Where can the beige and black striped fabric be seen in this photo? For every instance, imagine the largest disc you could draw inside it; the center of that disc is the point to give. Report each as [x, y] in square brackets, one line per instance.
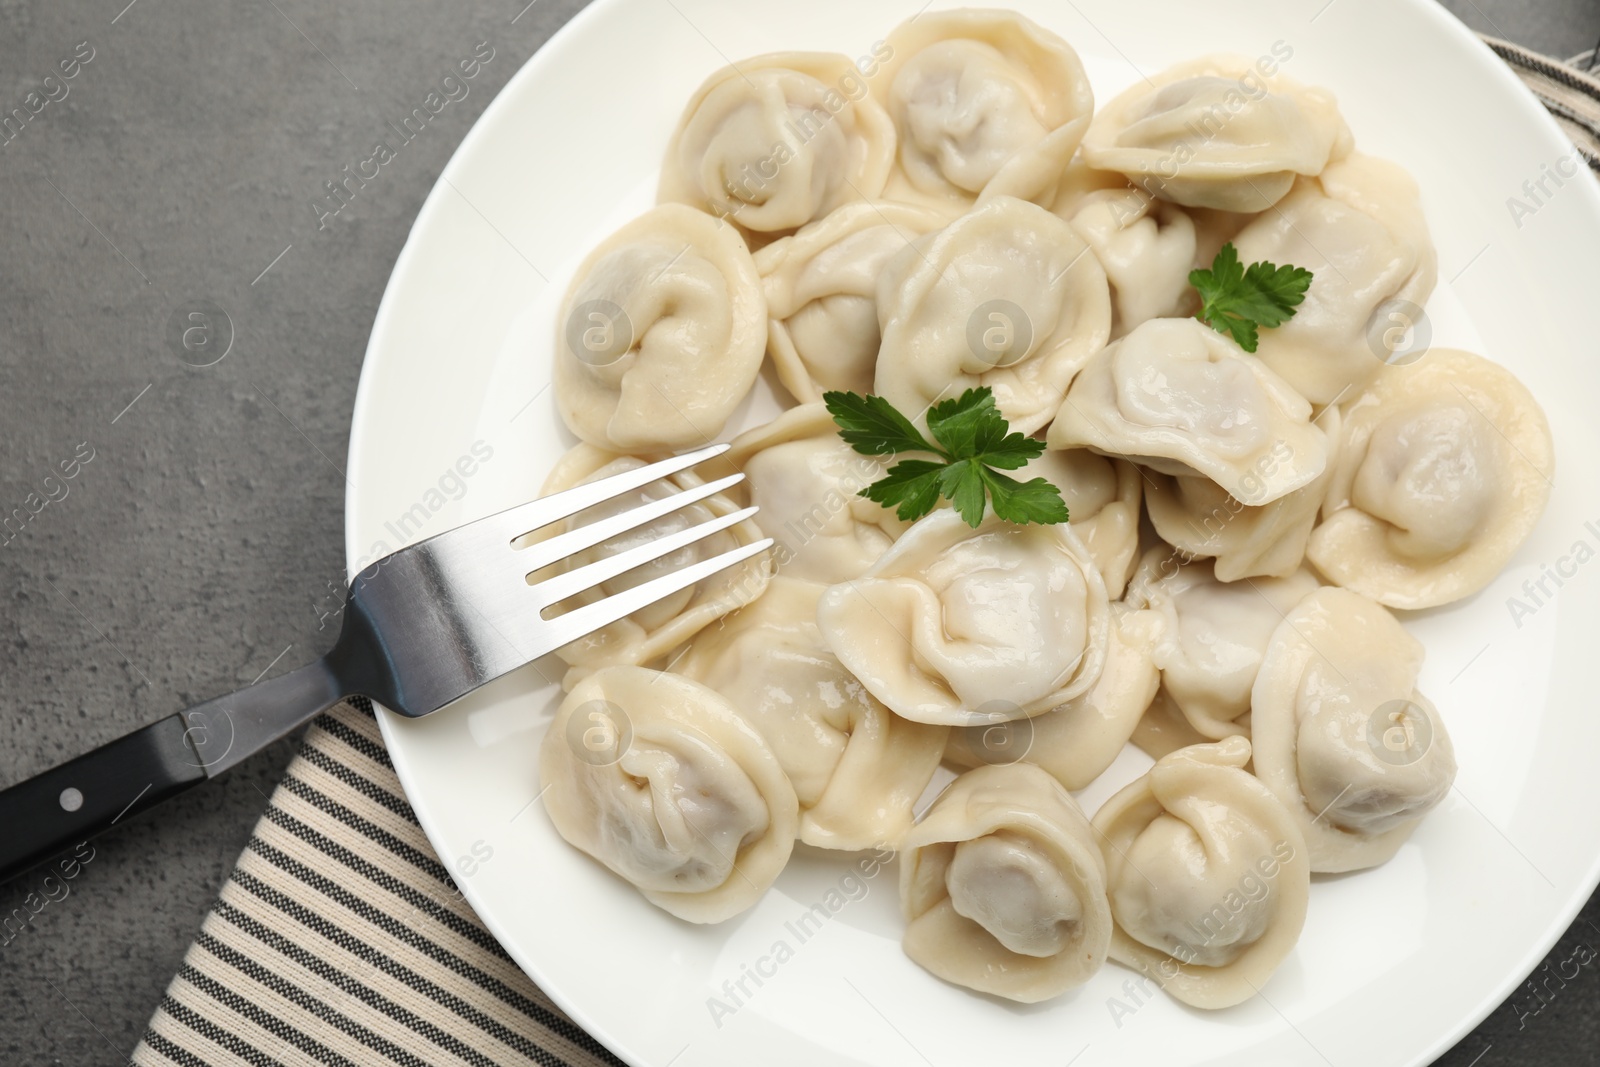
[340, 939]
[1571, 95]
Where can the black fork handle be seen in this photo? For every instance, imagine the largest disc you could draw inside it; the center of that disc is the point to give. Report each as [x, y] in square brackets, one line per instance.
[49, 813]
[78, 800]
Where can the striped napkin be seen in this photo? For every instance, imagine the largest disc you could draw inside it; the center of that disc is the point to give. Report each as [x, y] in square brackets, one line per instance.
[340, 938]
[1571, 95]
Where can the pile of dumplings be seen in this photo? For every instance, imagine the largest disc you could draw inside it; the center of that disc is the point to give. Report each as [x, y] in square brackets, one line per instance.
[950, 212]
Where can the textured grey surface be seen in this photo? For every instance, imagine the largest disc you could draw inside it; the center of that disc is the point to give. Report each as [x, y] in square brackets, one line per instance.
[1560, 28]
[201, 542]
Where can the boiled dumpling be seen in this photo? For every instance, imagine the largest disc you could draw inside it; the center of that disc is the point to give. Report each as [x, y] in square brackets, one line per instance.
[1212, 230]
[1217, 132]
[1342, 736]
[967, 627]
[1082, 185]
[661, 334]
[856, 768]
[660, 627]
[1147, 248]
[1359, 230]
[1003, 887]
[821, 288]
[1443, 469]
[983, 102]
[1163, 729]
[1078, 740]
[1178, 397]
[1207, 873]
[1006, 296]
[1199, 517]
[661, 780]
[807, 483]
[779, 140]
[1102, 496]
[1214, 636]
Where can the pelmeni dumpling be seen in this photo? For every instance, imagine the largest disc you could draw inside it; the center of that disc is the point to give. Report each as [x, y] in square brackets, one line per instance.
[967, 627]
[1214, 636]
[983, 101]
[856, 769]
[1081, 185]
[657, 629]
[1163, 729]
[1342, 736]
[807, 483]
[661, 333]
[1147, 247]
[821, 288]
[1003, 887]
[1444, 467]
[1218, 132]
[1180, 398]
[778, 140]
[1079, 739]
[1212, 230]
[1207, 873]
[1102, 497]
[1079, 180]
[1359, 230]
[661, 780]
[1006, 296]
[1201, 518]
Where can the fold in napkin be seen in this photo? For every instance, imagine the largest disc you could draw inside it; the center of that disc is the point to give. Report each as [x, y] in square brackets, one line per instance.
[340, 938]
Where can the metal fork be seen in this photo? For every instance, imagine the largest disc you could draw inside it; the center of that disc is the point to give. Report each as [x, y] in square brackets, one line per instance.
[422, 627]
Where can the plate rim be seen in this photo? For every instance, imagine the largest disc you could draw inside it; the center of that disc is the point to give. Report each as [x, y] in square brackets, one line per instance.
[361, 413]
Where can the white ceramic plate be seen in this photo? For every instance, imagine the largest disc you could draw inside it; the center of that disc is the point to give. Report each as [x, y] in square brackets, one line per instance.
[1396, 963]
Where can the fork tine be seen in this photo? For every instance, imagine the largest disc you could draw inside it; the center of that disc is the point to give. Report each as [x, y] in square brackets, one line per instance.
[556, 589]
[525, 518]
[585, 620]
[538, 556]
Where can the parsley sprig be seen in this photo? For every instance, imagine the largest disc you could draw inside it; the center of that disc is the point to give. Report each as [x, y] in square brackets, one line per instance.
[1236, 300]
[974, 444]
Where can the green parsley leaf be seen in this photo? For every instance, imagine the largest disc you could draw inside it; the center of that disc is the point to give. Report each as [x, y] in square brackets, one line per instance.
[913, 484]
[972, 426]
[974, 444]
[1236, 301]
[1034, 500]
[872, 426]
[962, 484]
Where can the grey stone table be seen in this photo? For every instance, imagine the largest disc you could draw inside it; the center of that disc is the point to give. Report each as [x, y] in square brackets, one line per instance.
[197, 547]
